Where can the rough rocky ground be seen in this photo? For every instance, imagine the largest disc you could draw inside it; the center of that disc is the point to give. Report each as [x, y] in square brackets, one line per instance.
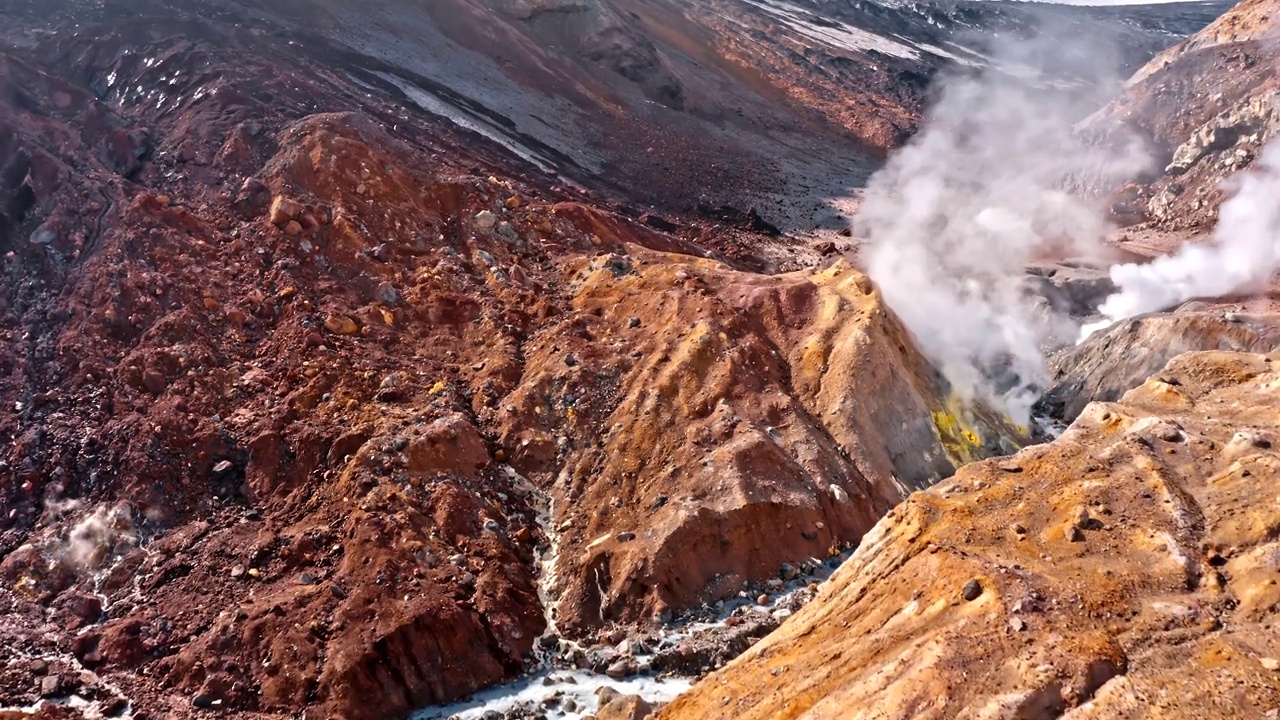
[1129, 568]
[1126, 570]
[330, 388]
[779, 105]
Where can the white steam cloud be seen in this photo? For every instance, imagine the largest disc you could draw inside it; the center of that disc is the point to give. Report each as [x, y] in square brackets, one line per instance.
[1242, 256]
[955, 217]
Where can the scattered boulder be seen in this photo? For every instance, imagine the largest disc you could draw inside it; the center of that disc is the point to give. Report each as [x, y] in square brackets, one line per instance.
[624, 707]
[284, 210]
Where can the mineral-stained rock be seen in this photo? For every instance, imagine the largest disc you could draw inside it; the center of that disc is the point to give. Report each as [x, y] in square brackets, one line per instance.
[780, 416]
[1165, 610]
[197, 422]
[1111, 361]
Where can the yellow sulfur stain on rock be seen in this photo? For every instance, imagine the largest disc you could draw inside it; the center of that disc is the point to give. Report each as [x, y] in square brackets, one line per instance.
[962, 442]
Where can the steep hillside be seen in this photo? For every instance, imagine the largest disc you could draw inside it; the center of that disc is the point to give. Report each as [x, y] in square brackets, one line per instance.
[688, 106]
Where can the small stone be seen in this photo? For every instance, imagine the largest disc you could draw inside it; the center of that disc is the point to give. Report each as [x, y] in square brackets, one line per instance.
[50, 685]
[972, 590]
[154, 382]
[307, 578]
[1171, 434]
[1017, 624]
[284, 210]
[571, 360]
[222, 467]
[1271, 664]
[621, 668]
[624, 707]
[293, 228]
[485, 220]
[634, 322]
[204, 701]
[114, 706]
[86, 607]
[491, 525]
[1074, 534]
[341, 325]
[606, 695]
[237, 571]
[763, 599]
[789, 572]
[1019, 529]
[626, 537]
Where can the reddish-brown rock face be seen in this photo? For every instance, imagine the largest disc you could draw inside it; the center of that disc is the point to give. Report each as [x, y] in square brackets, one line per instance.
[1125, 570]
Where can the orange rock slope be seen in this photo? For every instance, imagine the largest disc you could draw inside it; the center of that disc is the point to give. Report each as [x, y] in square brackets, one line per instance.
[1129, 569]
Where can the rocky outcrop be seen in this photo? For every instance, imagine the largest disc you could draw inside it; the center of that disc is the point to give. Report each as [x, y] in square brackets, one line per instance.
[720, 422]
[1111, 362]
[1125, 570]
[1206, 107]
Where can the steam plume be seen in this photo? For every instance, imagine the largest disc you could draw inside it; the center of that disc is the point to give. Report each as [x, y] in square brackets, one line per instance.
[955, 217]
[1242, 256]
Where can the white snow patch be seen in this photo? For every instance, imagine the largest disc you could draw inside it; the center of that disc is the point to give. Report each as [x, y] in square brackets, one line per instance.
[461, 118]
[844, 37]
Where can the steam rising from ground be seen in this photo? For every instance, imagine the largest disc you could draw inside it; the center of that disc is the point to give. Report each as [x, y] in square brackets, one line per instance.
[955, 217]
[1244, 253]
[100, 534]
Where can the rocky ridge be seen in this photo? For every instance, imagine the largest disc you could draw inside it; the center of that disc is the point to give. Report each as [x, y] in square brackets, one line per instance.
[1206, 107]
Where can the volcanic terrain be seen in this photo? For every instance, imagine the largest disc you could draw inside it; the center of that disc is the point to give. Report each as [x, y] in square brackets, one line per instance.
[357, 360]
